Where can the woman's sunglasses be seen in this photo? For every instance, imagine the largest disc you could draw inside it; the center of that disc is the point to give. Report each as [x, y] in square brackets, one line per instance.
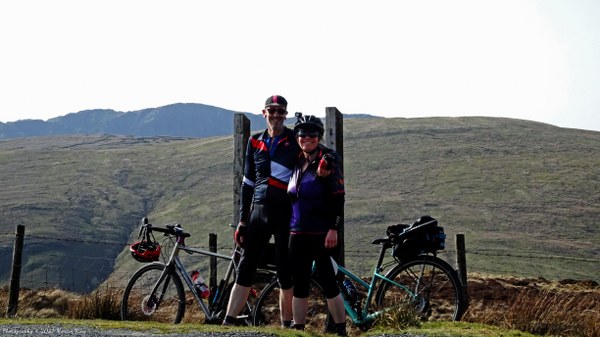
[311, 134]
[280, 111]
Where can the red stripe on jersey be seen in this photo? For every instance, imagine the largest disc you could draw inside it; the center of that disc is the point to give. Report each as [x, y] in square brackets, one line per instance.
[278, 184]
[257, 144]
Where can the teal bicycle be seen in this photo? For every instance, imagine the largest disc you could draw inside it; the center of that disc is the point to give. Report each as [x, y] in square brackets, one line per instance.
[416, 281]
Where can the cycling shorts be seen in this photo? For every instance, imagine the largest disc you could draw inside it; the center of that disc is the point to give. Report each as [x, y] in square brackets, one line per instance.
[304, 249]
[266, 221]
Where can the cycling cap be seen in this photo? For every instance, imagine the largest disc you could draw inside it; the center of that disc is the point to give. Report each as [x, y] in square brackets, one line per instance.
[276, 100]
[145, 251]
[309, 123]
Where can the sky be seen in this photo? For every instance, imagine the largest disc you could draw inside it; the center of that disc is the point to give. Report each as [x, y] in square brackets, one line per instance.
[537, 60]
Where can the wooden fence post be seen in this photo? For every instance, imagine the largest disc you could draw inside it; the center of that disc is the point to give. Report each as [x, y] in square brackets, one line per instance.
[15, 278]
[212, 247]
[334, 139]
[241, 127]
[461, 262]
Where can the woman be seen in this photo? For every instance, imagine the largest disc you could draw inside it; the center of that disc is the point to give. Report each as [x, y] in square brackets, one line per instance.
[317, 208]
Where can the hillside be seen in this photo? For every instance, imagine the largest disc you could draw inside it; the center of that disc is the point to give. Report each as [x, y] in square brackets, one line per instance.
[526, 195]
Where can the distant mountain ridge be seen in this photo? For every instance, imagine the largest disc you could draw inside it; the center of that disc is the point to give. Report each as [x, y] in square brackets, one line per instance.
[177, 120]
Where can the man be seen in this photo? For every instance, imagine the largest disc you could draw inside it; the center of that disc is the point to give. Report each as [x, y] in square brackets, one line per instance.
[265, 208]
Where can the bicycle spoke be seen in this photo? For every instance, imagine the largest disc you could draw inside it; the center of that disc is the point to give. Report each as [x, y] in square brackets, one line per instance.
[267, 311]
[432, 290]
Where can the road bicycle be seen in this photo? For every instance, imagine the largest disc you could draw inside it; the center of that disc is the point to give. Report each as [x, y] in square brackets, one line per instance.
[155, 292]
[417, 282]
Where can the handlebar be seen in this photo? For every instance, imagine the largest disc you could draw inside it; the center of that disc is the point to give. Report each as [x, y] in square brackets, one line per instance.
[147, 228]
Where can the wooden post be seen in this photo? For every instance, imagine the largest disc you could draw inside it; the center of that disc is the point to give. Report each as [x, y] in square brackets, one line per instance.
[334, 139]
[241, 127]
[15, 278]
[461, 262]
[212, 246]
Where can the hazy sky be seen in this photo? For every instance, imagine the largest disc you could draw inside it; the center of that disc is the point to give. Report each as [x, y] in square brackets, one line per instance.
[535, 60]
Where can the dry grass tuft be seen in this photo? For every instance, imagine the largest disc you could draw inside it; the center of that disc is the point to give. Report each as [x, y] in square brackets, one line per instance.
[42, 303]
[102, 303]
[566, 308]
[399, 319]
[55, 303]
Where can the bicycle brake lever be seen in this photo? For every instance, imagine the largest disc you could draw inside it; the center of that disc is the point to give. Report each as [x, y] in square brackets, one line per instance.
[144, 222]
[179, 234]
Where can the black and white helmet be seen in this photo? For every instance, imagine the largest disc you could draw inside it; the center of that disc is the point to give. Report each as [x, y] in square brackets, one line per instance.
[309, 123]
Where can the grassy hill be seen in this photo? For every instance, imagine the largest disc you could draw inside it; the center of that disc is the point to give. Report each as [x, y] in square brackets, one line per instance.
[526, 195]
[517, 189]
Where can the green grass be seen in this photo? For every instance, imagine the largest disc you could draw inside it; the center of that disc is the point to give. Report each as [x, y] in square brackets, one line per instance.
[465, 330]
[429, 329]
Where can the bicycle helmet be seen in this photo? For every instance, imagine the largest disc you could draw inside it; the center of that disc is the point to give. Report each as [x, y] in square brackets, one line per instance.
[309, 123]
[145, 251]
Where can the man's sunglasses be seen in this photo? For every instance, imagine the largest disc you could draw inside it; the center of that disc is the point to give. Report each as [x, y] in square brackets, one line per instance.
[311, 134]
[280, 111]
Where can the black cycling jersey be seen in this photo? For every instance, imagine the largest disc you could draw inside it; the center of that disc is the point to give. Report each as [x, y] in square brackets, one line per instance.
[266, 175]
[317, 202]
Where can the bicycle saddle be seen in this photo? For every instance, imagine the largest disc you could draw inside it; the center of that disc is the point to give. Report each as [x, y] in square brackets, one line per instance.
[381, 241]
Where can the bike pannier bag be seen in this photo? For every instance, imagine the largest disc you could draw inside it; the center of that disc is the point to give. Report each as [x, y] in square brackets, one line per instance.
[422, 236]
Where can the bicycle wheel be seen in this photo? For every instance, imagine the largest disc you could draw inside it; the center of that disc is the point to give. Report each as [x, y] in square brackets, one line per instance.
[219, 305]
[166, 305]
[266, 311]
[432, 289]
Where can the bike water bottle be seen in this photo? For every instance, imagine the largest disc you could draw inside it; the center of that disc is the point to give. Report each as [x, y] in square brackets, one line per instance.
[350, 290]
[201, 287]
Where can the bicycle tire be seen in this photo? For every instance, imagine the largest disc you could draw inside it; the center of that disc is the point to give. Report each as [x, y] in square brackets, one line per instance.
[436, 289]
[137, 305]
[221, 309]
[266, 311]
[261, 279]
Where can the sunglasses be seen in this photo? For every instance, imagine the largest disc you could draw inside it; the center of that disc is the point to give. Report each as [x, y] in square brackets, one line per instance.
[310, 134]
[280, 111]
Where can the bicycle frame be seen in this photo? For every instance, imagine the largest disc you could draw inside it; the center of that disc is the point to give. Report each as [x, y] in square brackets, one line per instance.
[362, 315]
[188, 280]
[175, 263]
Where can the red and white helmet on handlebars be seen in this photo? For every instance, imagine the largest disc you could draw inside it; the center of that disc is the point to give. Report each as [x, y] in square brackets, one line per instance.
[145, 251]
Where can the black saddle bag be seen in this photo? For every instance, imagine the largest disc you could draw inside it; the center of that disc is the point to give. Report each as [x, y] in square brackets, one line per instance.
[422, 236]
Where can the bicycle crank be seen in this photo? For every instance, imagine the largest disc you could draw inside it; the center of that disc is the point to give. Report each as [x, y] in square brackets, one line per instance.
[421, 305]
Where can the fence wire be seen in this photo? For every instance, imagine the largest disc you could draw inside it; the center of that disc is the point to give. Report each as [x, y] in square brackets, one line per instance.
[87, 272]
